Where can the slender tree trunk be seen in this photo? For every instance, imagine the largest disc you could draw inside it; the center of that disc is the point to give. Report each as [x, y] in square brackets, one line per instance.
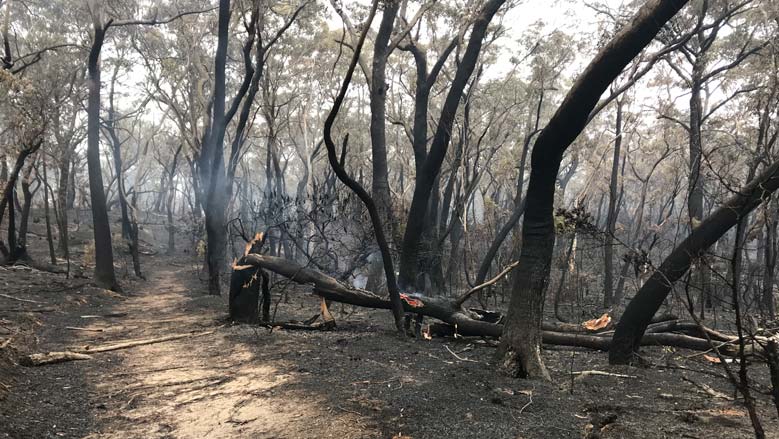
[171, 199]
[696, 180]
[770, 257]
[19, 251]
[380, 188]
[62, 199]
[611, 215]
[46, 211]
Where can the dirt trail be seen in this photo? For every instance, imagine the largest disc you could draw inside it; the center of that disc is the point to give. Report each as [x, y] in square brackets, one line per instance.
[206, 386]
[359, 381]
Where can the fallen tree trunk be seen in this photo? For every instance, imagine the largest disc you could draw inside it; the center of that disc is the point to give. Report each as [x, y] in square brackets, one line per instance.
[473, 322]
[650, 297]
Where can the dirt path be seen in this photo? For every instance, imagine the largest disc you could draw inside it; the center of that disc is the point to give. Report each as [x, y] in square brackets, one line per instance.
[206, 386]
[359, 381]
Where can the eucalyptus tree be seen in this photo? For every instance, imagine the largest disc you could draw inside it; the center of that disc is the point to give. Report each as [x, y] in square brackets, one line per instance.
[216, 174]
[519, 353]
[721, 29]
[103, 16]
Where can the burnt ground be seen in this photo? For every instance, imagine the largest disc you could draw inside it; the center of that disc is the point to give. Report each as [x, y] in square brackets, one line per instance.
[358, 381]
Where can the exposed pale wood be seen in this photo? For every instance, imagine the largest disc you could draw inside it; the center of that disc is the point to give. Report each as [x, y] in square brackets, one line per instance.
[52, 358]
[20, 299]
[706, 388]
[586, 373]
[460, 300]
[76, 328]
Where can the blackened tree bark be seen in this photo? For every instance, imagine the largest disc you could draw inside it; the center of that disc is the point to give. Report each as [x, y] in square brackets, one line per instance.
[769, 258]
[519, 352]
[380, 188]
[47, 213]
[129, 225]
[212, 159]
[216, 181]
[19, 248]
[104, 253]
[650, 297]
[396, 305]
[429, 172]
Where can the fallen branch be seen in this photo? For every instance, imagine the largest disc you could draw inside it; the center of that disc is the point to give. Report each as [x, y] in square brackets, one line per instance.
[134, 343]
[706, 388]
[460, 300]
[20, 299]
[454, 354]
[586, 373]
[28, 310]
[297, 326]
[52, 358]
[76, 328]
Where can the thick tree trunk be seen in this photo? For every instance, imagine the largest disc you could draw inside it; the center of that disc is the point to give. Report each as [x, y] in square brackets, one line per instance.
[519, 353]
[648, 300]
[216, 202]
[104, 253]
[380, 188]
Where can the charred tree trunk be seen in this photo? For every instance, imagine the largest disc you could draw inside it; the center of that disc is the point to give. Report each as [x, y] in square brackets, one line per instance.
[380, 188]
[519, 353]
[769, 259]
[62, 201]
[8, 196]
[343, 176]
[648, 300]
[104, 253]
[213, 155]
[415, 224]
[19, 250]
[611, 214]
[46, 212]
